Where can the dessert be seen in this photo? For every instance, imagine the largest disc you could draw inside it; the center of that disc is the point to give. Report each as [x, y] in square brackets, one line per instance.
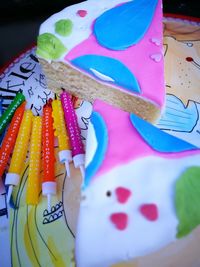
[110, 50]
[141, 190]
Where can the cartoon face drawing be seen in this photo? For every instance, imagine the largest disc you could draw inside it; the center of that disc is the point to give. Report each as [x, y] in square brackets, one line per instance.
[182, 75]
[182, 61]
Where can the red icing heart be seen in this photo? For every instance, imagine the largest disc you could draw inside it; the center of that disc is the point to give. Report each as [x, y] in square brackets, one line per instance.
[122, 194]
[149, 211]
[120, 220]
[82, 13]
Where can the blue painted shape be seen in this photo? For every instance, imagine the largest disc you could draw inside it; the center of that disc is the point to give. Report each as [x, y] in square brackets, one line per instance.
[124, 25]
[178, 117]
[102, 143]
[108, 67]
[159, 140]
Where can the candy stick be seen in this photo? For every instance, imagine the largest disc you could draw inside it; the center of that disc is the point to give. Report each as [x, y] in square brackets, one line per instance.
[19, 153]
[33, 185]
[10, 137]
[62, 135]
[48, 160]
[74, 132]
[8, 113]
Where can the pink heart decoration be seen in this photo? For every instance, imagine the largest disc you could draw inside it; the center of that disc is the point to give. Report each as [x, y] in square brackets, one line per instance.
[156, 41]
[149, 211]
[156, 57]
[123, 194]
[82, 13]
[120, 220]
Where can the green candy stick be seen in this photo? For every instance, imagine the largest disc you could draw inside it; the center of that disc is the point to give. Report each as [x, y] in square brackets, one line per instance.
[8, 113]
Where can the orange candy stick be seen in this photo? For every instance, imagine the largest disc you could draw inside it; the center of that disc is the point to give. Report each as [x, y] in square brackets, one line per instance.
[48, 160]
[10, 137]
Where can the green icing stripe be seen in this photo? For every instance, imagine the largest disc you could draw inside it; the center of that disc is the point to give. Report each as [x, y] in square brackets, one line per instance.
[188, 201]
[63, 27]
[49, 46]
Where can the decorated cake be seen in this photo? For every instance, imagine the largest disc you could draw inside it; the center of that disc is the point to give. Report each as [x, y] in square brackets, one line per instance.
[141, 191]
[109, 50]
[40, 237]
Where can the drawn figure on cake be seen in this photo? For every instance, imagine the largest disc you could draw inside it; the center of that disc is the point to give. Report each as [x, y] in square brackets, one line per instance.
[182, 72]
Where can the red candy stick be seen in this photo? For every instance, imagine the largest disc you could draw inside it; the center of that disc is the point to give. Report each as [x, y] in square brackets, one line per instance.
[10, 137]
[48, 161]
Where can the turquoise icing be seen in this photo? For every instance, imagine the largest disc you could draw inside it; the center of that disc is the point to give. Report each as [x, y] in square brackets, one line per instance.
[157, 139]
[124, 25]
[102, 142]
[115, 71]
[177, 116]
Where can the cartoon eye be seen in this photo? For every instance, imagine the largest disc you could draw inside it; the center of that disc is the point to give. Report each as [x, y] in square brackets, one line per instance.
[189, 44]
[108, 193]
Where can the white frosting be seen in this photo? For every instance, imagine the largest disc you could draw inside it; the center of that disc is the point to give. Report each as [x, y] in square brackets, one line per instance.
[81, 26]
[101, 76]
[91, 144]
[98, 242]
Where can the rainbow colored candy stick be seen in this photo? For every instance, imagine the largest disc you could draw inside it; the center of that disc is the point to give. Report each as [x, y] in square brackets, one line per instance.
[65, 155]
[8, 113]
[78, 153]
[48, 159]
[33, 185]
[19, 153]
[10, 137]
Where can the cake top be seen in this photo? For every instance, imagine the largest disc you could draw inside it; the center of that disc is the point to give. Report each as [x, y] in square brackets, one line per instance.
[140, 190]
[71, 26]
[106, 148]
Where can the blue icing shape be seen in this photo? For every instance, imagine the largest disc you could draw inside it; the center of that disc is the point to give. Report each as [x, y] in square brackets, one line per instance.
[102, 142]
[124, 25]
[177, 116]
[108, 69]
[159, 140]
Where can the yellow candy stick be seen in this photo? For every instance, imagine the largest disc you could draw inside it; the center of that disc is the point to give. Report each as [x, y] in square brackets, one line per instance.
[33, 185]
[19, 152]
[62, 135]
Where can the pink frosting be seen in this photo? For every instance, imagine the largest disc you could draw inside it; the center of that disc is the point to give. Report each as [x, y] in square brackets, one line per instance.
[124, 142]
[148, 71]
